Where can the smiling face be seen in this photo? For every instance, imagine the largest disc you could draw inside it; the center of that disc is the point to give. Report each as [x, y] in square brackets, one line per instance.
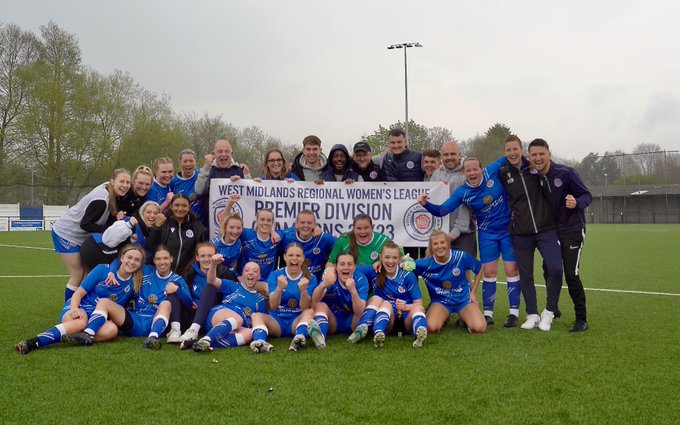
[142, 184]
[305, 224]
[389, 257]
[250, 275]
[233, 230]
[264, 222]
[539, 156]
[180, 208]
[513, 153]
[450, 155]
[344, 267]
[162, 260]
[362, 159]
[294, 257]
[396, 144]
[121, 183]
[223, 153]
[164, 173]
[204, 257]
[339, 161]
[473, 171]
[312, 153]
[131, 261]
[440, 247]
[188, 164]
[150, 213]
[430, 165]
[275, 164]
[363, 231]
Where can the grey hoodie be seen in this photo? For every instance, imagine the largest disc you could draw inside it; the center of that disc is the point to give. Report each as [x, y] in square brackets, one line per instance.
[460, 220]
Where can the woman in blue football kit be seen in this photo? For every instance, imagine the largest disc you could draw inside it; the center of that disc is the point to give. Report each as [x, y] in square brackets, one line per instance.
[445, 273]
[338, 301]
[74, 316]
[92, 214]
[163, 169]
[151, 310]
[228, 242]
[483, 192]
[397, 291]
[229, 322]
[290, 299]
[184, 181]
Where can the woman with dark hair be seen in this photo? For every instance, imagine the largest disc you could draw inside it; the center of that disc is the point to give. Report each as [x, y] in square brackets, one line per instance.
[397, 298]
[290, 291]
[92, 214]
[82, 306]
[275, 167]
[180, 230]
[102, 248]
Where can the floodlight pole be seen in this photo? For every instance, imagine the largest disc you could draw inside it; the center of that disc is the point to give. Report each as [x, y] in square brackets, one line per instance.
[405, 46]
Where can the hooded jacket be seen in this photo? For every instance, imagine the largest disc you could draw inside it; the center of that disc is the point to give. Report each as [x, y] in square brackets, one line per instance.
[329, 173]
[304, 173]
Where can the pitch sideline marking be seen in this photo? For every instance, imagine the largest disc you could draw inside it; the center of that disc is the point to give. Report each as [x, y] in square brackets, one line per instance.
[618, 291]
[25, 247]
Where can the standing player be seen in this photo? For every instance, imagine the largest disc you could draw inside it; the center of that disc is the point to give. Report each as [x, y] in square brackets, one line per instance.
[160, 191]
[74, 316]
[338, 301]
[532, 227]
[568, 197]
[396, 291]
[317, 248]
[290, 291]
[484, 194]
[184, 181]
[91, 214]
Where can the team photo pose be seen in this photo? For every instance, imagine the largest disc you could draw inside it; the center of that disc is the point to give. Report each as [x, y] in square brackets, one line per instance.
[229, 323]
[184, 181]
[180, 230]
[151, 310]
[451, 278]
[92, 214]
[484, 194]
[102, 248]
[276, 167]
[290, 299]
[228, 242]
[163, 169]
[362, 242]
[142, 178]
[316, 244]
[261, 243]
[397, 300]
[82, 305]
[338, 301]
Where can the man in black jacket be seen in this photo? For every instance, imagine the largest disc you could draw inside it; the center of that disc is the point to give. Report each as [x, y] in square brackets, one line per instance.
[362, 163]
[532, 227]
[401, 164]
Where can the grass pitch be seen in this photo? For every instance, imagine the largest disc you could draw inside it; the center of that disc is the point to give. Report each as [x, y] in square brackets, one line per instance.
[623, 370]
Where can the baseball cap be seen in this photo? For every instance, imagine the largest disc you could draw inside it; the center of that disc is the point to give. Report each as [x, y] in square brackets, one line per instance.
[362, 146]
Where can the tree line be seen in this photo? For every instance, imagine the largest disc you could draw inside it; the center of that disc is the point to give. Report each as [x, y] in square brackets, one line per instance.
[65, 126]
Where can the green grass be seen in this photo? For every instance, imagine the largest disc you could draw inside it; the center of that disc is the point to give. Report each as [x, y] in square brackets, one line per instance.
[623, 370]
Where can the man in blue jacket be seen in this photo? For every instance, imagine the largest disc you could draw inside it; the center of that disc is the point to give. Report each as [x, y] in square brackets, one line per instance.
[401, 164]
[568, 197]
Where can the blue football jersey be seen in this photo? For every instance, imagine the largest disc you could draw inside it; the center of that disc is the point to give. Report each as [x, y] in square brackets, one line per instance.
[152, 291]
[290, 297]
[186, 186]
[316, 250]
[157, 193]
[230, 252]
[242, 301]
[403, 286]
[338, 297]
[447, 282]
[262, 252]
[96, 289]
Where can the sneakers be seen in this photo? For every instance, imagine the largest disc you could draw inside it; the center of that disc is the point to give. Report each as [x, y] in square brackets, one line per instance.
[379, 339]
[23, 347]
[532, 321]
[261, 346]
[511, 321]
[358, 334]
[187, 343]
[315, 333]
[489, 320]
[421, 334]
[174, 336]
[579, 326]
[202, 346]
[188, 334]
[152, 343]
[80, 338]
[546, 320]
[297, 343]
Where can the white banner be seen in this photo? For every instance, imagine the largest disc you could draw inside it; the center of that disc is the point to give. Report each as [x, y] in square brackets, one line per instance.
[393, 207]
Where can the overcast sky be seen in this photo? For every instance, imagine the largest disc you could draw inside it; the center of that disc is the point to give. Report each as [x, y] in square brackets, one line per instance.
[587, 76]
